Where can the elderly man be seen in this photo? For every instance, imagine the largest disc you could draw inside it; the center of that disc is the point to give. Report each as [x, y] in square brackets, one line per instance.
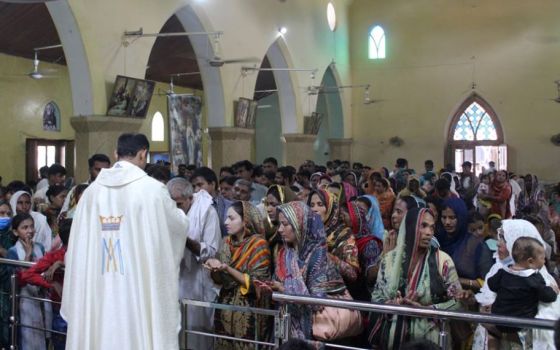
[203, 242]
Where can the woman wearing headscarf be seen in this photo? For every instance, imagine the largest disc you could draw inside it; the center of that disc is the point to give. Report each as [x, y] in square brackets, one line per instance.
[510, 231]
[275, 196]
[303, 268]
[386, 198]
[414, 273]
[341, 243]
[243, 258]
[413, 188]
[499, 195]
[471, 255]
[370, 250]
[531, 191]
[21, 204]
[374, 219]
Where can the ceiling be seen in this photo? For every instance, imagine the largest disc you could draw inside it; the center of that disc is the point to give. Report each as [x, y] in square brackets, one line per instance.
[24, 27]
[172, 55]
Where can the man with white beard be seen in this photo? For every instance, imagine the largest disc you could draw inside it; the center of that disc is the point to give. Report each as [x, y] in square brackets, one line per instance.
[203, 242]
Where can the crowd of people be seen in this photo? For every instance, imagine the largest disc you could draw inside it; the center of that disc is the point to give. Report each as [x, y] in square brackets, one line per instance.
[440, 239]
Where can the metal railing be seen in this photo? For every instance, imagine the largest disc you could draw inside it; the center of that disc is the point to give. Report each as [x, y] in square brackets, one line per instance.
[15, 297]
[443, 315]
[282, 317]
[280, 330]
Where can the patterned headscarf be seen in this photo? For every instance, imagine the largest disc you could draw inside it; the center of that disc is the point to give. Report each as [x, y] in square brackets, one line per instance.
[252, 220]
[374, 219]
[330, 202]
[307, 226]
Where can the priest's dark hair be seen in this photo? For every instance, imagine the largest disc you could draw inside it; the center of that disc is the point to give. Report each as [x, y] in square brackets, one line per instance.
[130, 144]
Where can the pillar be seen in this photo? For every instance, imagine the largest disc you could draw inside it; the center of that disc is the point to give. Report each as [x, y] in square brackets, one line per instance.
[299, 148]
[341, 149]
[98, 134]
[229, 145]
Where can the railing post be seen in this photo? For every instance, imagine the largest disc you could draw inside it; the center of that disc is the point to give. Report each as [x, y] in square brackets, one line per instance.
[443, 335]
[13, 317]
[183, 337]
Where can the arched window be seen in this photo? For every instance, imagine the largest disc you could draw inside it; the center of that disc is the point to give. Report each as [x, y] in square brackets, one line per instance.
[475, 135]
[376, 43]
[158, 127]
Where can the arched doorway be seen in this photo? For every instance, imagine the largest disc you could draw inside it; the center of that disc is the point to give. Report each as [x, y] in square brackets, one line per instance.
[475, 134]
[268, 126]
[329, 105]
[277, 112]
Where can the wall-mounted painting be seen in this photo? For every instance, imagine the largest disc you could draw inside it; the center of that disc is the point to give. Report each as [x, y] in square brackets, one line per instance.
[185, 130]
[245, 113]
[131, 97]
[51, 117]
[311, 124]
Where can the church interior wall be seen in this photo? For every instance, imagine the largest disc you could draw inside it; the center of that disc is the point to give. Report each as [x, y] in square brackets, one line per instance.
[435, 51]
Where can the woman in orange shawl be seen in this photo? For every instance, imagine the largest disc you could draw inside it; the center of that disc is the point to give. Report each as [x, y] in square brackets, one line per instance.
[380, 187]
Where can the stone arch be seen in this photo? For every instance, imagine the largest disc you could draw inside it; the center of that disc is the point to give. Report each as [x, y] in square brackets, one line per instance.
[74, 51]
[279, 57]
[329, 104]
[211, 77]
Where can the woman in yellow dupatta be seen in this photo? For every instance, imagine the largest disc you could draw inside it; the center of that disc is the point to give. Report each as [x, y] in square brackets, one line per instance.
[243, 258]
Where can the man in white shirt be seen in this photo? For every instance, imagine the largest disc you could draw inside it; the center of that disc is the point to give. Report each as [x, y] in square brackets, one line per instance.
[122, 264]
[203, 242]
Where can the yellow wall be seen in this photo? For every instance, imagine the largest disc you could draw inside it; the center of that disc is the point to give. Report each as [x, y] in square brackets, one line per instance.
[250, 27]
[432, 48]
[22, 101]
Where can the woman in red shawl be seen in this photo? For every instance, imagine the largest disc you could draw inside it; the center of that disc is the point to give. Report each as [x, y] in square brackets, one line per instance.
[500, 194]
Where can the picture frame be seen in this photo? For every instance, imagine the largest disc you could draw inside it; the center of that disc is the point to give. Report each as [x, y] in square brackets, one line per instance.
[241, 108]
[185, 130]
[312, 123]
[51, 117]
[131, 97]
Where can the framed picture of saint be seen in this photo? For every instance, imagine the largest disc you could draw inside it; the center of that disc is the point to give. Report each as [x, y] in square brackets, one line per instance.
[51, 117]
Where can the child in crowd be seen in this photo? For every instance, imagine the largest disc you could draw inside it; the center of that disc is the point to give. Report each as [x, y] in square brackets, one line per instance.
[520, 287]
[493, 223]
[30, 311]
[48, 273]
[483, 188]
[476, 224]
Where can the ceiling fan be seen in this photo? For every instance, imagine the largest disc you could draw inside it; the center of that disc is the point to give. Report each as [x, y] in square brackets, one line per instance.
[36, 74]
[217, 61]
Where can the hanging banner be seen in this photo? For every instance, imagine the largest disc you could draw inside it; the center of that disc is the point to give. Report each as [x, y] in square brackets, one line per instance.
[185, 130]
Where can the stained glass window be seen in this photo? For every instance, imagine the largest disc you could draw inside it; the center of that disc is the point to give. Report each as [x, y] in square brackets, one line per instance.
[475, 125]
[376, 43]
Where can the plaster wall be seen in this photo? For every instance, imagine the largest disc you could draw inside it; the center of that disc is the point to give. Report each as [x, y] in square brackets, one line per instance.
[435, 50]
[22, 102]
[250, 27]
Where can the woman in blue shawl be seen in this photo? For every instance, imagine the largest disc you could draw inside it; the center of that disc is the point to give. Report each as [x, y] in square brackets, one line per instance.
[375, 222]
[471, 256]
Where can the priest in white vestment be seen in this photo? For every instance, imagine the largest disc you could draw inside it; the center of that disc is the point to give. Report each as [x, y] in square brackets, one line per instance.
[203, 242]
[122, 263]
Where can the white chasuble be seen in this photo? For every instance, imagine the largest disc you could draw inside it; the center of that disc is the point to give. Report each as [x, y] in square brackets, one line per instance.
[122, 264]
